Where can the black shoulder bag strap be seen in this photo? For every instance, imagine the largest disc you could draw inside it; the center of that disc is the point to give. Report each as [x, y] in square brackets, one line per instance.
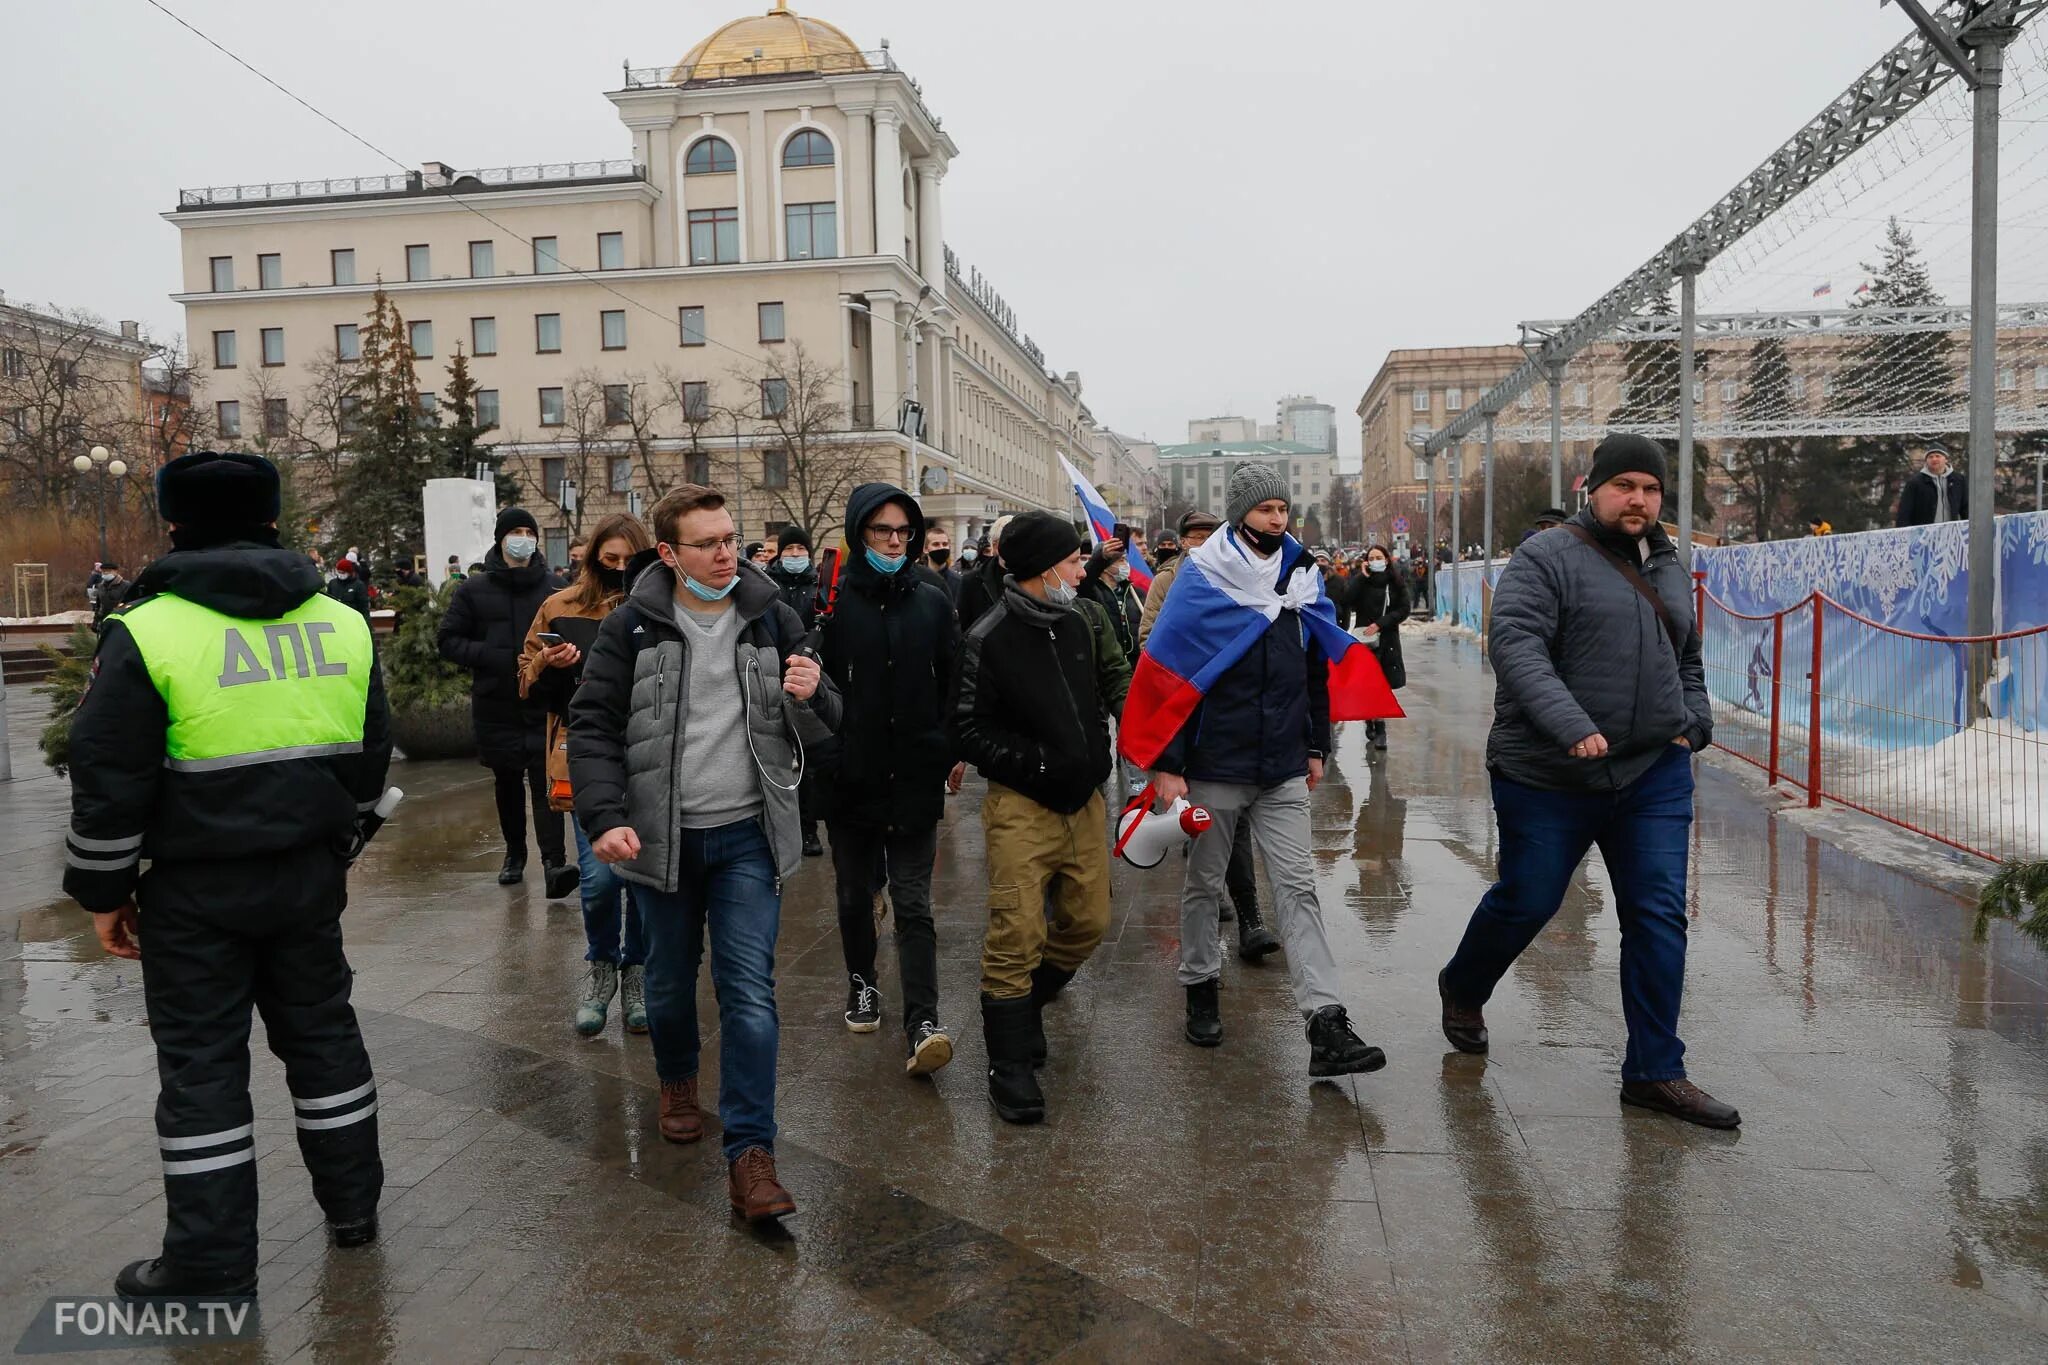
[1639, 583]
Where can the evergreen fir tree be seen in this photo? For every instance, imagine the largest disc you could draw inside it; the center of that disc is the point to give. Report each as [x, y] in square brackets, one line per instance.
[391, 451]
[1892, 373]
[460, 440]
[1649, 395]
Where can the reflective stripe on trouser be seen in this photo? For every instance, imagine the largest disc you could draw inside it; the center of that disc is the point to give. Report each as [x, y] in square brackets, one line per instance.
[1280, 825]
[226, 938]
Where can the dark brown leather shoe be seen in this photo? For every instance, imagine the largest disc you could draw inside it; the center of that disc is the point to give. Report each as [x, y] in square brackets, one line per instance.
[1682, 1100]
[1466, 1029]
[755, 1192]
[680, 1120]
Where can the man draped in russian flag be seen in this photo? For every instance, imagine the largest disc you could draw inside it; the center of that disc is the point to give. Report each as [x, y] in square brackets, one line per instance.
[1231, 706]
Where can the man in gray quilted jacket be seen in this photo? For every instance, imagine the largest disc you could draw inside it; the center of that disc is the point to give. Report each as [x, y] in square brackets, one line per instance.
[1600, 704]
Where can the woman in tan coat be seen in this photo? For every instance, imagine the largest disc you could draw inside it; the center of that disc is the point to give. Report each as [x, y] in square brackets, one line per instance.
[550, 666]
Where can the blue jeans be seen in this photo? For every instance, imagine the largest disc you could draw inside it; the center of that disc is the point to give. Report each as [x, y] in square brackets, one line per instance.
[727, 881]
[603, 889]
[1641, 831]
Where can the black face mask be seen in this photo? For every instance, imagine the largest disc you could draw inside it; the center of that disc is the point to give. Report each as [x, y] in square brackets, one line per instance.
[612, 580]
[1265, 542]
[939, 558]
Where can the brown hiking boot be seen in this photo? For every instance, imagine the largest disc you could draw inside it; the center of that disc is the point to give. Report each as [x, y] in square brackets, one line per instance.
[1464, 1028]
[680, 1121]
[1682, 1100]
[755, 1192]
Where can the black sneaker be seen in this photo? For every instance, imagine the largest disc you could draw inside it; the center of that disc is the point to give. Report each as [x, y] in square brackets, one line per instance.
[1334, 1050]
[930, 1049]
[863, 1006]
[1204, 1026]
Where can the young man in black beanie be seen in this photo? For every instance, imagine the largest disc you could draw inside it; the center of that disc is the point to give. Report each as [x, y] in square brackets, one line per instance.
[1601, 703]
[1026, 715]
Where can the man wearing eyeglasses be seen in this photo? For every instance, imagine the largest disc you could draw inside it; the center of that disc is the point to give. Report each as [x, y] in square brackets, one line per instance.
[686, 750]
[889, 650]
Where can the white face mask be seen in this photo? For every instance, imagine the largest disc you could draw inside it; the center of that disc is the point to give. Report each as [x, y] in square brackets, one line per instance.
[1057, 592]
[1376, 565]
[519, 549]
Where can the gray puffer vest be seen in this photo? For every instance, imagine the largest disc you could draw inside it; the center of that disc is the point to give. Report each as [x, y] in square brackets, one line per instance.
[627, 759]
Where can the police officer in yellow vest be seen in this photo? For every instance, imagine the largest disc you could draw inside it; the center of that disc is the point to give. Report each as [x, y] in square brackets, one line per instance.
[233, 734]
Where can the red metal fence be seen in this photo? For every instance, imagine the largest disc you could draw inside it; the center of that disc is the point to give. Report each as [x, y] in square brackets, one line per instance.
[1946, 736]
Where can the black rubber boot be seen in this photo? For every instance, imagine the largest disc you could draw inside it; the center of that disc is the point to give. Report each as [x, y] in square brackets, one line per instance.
[514, 870]
[1046, 984]
[1254, 940]
[1006, 1030]
[559, 878]
[354, 1232]
[159, 1279]
[1204, 1027]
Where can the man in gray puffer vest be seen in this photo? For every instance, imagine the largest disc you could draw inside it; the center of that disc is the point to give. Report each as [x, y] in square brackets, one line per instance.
[1600, 703]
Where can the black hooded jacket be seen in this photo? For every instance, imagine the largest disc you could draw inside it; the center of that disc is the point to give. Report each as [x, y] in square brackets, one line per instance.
[120, 786]
[889, 648]
[980, 590]
[1025, 709]
[799, 591]
[484, 629]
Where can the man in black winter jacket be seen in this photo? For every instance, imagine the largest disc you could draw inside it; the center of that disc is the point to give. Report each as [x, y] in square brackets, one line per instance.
[1934, 493]
[1026, 715]
[794, 575]
[484, 630]
[983, 588]
[889, 648]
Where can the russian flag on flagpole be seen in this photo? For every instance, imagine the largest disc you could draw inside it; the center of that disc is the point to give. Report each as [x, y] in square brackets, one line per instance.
[1222, 602]
[1102, 525]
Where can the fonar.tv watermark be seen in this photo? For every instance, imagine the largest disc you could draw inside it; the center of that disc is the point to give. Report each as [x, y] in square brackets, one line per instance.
[105, 1323]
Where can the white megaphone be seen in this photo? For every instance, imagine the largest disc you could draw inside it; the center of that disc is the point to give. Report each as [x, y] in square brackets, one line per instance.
[1144, 836]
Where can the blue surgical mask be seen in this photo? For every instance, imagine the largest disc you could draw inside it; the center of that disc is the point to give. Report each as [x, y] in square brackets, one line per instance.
[519, 549]
[795, 563]
[885, 563]
[1058, 593]
[704, 594]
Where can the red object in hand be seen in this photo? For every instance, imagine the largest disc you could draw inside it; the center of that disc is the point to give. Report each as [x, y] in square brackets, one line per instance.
[1196, 820]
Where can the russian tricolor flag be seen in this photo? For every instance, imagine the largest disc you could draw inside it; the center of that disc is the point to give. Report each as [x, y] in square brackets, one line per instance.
[1102, 525]
[1221, 604]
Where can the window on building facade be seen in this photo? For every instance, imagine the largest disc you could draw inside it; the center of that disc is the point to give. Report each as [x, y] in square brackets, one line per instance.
[277, 417]
[347, 344]
[696, 400]
[621, 472]
[775, 468]
[13, 364]
[547, 333]
[273, 345]
[421, 335]
[710, 156]
[554, 472]
[227, 417]
[1454, 400]
[770, 315]
[547, 258]
[1799, 386]
[483, 260]
[427, 412]
[611, 251]
[697, 468]
[691, 320]
[1418, 401]
[1421, 469]
[351, 414]
[343, 265]
[483, 336]
[618, 404]
[714, 236]
[487, 408]
[419, 263]
[551, 407]
[1579, 395]
[269, 271]
[774, 397]
[1729, 389]
[223, 274]
[2008, 379]
[611, 327]
[223, 350]
[812, 231]
[1699, 391]
[2041, 378]
[1827, 386]
[808, 148]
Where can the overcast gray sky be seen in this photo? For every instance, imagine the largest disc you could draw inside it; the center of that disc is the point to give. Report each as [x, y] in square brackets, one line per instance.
[1199, 205]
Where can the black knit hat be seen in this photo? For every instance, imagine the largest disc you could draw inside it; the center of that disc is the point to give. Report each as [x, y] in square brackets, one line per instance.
[511, 519]
[218, 488]
[793, 535]
[1627, 453]
[1035, 541]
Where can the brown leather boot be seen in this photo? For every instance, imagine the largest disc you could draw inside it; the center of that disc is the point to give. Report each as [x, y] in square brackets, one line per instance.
[680, 1121]
[755, 1192]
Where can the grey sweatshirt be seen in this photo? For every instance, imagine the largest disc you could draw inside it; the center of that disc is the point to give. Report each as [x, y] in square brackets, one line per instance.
[721, 786]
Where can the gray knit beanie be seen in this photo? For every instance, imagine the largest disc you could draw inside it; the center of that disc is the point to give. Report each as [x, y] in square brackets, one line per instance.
[1250, 485]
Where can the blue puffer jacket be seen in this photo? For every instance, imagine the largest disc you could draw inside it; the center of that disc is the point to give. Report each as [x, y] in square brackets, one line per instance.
[1266, 717]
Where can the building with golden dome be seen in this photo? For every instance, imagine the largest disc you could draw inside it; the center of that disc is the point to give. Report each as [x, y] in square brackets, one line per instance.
[760, 296]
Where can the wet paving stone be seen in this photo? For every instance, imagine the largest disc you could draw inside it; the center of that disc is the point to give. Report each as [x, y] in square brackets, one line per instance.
[1886, 1199]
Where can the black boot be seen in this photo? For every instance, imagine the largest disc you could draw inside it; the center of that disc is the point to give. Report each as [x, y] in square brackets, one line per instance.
[1254, 939]
[1376, 731]
[159, 1279]
[1204, 1027]
[514, 870]
[354, 1232]
[812, 848]
[1334, 1050]
[1046, 983]
[559, 878]
[1006, 1030]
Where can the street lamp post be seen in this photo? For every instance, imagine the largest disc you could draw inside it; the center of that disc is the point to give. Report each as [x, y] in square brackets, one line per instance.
[103, 460]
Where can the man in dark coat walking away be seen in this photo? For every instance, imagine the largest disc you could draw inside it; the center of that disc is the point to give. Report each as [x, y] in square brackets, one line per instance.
[1600, 704]
[1936, 492]
[889, 648]
[484, 629]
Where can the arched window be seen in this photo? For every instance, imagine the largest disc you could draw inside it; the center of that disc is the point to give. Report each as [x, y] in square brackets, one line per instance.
[710, 156]
[808, 148]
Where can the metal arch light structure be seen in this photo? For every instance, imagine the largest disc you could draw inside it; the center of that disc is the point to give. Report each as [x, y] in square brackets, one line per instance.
[1899, 82]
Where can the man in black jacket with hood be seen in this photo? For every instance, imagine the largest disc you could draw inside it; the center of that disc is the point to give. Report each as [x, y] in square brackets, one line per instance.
[232, 736]
[484, 630]
[889, 648]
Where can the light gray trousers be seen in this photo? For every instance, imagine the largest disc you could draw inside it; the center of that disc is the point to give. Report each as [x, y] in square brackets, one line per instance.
[1279, 817]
